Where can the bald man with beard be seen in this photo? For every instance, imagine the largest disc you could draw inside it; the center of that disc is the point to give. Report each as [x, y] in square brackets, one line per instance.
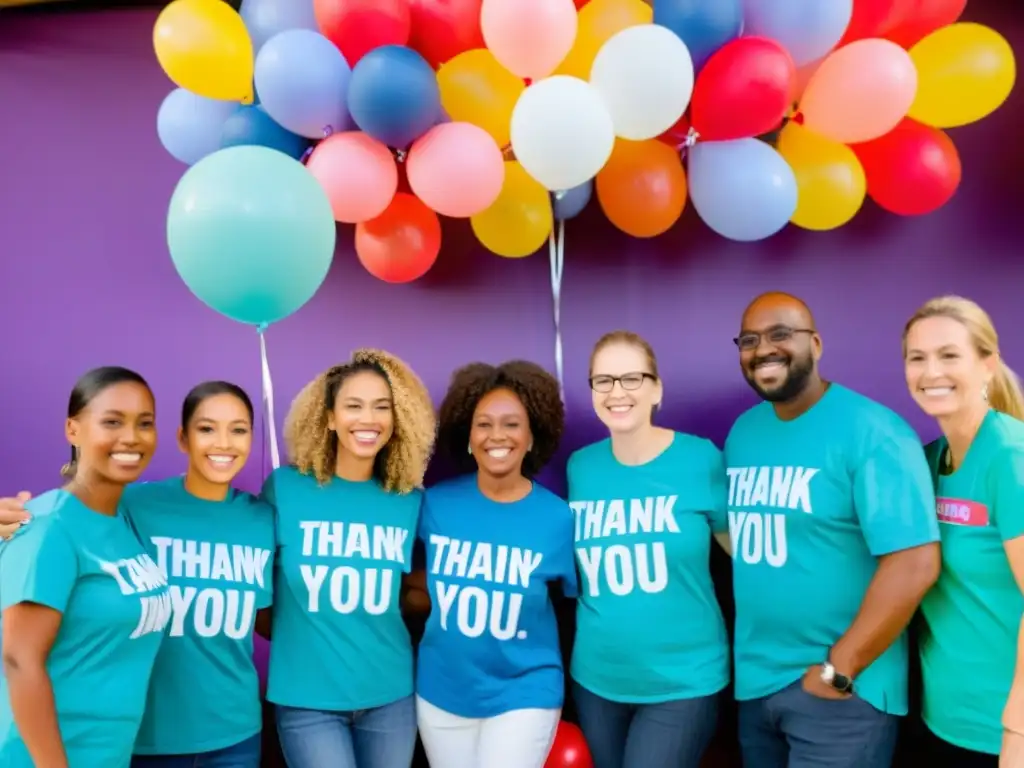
[834, 538]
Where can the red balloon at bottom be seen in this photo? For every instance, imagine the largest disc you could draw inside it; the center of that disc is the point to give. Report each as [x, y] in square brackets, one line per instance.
[912, 170]
[402, 243]
[570, 749]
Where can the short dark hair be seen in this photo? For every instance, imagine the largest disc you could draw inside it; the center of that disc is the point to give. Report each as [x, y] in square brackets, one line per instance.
[89, 385]
[536, 389]
[208, 389]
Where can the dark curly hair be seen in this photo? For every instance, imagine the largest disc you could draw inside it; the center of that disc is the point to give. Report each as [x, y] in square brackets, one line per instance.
[536, 389]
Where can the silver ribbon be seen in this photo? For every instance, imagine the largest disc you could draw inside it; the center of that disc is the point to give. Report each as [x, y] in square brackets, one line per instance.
[556, 253]
[270, 430]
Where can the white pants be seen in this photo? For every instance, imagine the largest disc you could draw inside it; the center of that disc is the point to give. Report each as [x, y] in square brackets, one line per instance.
[521, 738]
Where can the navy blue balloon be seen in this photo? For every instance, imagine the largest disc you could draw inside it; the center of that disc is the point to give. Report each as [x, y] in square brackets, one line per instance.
[571, 202]
[704, 25]
[393, 95]
[252, 126]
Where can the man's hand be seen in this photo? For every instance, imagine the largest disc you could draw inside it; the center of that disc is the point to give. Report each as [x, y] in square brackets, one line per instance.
[13, 514]
[814, 685]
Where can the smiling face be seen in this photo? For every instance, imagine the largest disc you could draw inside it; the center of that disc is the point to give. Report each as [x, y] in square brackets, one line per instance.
[218, 439]
[945, 373]
[363, 416]
[500, 435]
[778, 349]
[115, 434]
[624, 389]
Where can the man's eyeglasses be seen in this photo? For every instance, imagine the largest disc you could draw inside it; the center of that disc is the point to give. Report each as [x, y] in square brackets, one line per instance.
[629, 381]
[777, 335]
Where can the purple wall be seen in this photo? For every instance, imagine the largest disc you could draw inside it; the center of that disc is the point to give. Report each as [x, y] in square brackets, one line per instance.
[86, 278]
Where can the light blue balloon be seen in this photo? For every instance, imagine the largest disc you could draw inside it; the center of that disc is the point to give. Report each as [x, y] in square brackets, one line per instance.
[265, 18]
[189, 126]
[251, 233]
[743, 189]
[302, 80]
[807, 28]
[253, 126]
[571, 202]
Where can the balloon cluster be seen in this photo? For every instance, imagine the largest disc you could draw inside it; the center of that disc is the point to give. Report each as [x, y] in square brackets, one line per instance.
[511, 113]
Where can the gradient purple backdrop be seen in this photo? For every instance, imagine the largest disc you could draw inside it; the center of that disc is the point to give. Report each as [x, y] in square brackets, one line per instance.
[86, 278]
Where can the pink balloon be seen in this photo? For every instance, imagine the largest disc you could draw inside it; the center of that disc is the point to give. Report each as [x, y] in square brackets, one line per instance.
[456, 169]
[357, 172]
[529, 37]
[860, 92]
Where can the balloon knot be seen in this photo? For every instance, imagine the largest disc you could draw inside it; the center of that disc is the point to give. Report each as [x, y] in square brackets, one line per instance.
[400, 155]
[328, 131]
[692, 137]
[261, 328]
[507, 153]
[305, 155]
[560, 194]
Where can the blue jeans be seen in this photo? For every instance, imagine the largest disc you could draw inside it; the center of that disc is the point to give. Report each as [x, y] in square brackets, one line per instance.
[795, 729]
[382, 737]
[245, 754]
[671, 733]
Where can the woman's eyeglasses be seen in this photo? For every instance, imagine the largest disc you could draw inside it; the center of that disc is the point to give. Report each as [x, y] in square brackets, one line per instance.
[629, 381]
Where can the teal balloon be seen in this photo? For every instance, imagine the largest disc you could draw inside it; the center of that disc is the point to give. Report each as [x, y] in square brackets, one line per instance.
[251, 233]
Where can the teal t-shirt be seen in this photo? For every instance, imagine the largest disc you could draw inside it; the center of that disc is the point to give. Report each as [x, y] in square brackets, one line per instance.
[813, 503]
[218, 560]
[338, 639]
[648, 624]
[115, 606]
[973, 613]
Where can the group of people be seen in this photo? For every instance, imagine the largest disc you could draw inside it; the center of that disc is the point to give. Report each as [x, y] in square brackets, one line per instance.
[129, 608]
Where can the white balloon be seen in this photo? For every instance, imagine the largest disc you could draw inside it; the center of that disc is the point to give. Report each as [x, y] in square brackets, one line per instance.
[561, 131]
[645, 75]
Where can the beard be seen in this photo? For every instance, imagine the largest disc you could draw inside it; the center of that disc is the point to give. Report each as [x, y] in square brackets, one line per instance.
[798, 374]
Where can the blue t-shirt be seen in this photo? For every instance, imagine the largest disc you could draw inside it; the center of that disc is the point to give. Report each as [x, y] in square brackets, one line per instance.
[339, 642]
[813, 503]
[491, 642]
[218, 558]
[648, 624]
[93, 569]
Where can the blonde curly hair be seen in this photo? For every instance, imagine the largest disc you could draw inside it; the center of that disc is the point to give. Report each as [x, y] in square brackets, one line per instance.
[313, 447]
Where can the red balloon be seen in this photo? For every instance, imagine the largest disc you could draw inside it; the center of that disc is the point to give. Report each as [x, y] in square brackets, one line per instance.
[745, 89]
[875, 18]
[923, 18]
[442, 29]
[400, 245]
[912, 170]
[359, 26]
[570, 749]
[580, 3]
[677, 134]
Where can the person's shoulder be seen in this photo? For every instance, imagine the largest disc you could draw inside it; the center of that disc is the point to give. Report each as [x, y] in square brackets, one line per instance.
[872, 418]
[153, 492]
[751, 418]
[590, 453]
[49, 517]
[686, 447]
[461, 485]
[1008, 453]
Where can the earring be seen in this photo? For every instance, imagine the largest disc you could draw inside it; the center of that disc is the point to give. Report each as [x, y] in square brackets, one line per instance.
[469, 449]
[984, 392]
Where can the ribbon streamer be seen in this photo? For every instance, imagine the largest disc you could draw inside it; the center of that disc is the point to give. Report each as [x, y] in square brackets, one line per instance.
[556, 252]
[270, 429]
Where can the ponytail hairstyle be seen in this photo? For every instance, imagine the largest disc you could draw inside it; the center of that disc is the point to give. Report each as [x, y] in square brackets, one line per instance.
[1004, 391]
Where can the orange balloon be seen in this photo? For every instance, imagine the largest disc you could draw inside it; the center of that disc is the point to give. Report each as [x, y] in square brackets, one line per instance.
[642, 188]
[402, 244]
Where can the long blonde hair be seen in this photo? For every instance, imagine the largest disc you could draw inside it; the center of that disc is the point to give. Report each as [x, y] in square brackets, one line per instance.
[1004, 391]
[401, 464]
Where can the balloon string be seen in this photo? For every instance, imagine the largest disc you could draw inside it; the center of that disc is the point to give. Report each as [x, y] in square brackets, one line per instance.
[692, 137]
[556, 252]
[270, 425]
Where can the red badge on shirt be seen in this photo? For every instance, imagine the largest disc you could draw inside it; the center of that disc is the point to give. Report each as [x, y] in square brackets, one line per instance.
[961, 512]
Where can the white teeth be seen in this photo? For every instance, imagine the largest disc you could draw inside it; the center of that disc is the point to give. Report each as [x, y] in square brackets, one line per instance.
[128, 458]
[221, 459]
[499, 453]
[366, 435]
[619, 408]
[937, 391]
[770, 367]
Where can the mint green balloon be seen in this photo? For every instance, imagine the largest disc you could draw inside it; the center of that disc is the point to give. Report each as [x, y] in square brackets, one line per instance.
[251, 233]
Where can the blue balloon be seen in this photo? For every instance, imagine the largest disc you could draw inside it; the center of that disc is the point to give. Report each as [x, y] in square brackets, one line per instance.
[303, 80]
[251, 233]
[189, 126]
[808, 29]
[254, 127]
[394, 96]
[743, 189]
[704, 25]
[266, 18]
[571, 202]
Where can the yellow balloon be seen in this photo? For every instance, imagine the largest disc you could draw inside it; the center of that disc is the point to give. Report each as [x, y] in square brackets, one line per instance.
[964, 72]
[830, 181]
[204, 47]
[598, 20]
[519, 222]
[476, 89]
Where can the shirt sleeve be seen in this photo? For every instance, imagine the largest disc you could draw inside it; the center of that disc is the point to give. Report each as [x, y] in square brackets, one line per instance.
[565, 549]
[718, 491]
[38, 565]
[893, 494]
[1008, 492]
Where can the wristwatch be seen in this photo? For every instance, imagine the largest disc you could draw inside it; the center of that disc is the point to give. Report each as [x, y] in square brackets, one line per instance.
[830, 677]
